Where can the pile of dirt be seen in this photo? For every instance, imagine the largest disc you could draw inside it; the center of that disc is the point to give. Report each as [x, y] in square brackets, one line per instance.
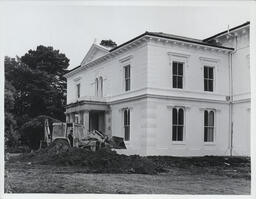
[235, 167]
[205, 161]
[107, 161]
[102, 161]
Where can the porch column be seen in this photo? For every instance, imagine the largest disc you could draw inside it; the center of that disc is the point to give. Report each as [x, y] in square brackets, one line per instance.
[86, 120]
[108, 123]
[72, 117]
[67, 117]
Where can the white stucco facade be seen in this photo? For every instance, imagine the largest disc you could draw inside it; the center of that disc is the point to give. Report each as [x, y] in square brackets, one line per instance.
[152, 98]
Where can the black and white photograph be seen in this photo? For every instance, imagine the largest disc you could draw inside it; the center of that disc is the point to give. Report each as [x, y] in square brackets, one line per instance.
[107, 97]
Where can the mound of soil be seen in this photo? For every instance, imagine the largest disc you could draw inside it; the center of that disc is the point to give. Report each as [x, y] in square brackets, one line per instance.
[102, 161]
[205, 161]
[107, 161]
[235, 167]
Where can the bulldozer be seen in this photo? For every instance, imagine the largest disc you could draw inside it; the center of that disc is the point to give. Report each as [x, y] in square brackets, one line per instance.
[65, 135]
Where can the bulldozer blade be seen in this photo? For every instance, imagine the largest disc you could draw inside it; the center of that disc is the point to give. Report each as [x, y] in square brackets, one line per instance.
[117, 142]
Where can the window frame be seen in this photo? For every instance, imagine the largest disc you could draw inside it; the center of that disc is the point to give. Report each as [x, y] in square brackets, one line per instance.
[96, 86]
[177, 75]
[207, 126]
[127, 123]
[101, 86]
[178, 125]
[208, 78]
[178, 56]
[78, 90]
[125, 78]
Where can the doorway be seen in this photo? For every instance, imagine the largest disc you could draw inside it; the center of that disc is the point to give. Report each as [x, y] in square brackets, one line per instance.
[97, 121]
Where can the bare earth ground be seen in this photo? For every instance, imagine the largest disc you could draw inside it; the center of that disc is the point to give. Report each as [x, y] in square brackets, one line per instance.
[23, 177]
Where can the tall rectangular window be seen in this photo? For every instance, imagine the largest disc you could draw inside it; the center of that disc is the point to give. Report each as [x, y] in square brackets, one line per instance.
[78, 90]
[127, 77]
[208, 126]
[208, 78]
[177, 124]
[127, 124]
[177, 74]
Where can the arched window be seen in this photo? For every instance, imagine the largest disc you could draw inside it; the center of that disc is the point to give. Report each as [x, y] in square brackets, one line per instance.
[100, 86]
[177, 124]
[96, 86]
[208, 126]
[126, 124]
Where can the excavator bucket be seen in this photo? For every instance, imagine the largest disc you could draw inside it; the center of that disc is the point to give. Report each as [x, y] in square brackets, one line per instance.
[117, 142]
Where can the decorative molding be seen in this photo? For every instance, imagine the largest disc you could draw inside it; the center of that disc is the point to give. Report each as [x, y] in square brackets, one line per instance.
[171, 106]
[77, 79]
[124, 108]
[178, 54]
[209, 59]
[125, 59]
[209, 109]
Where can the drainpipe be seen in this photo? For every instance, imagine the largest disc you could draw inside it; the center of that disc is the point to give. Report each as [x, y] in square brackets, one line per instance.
[230, 104]
[231, 97]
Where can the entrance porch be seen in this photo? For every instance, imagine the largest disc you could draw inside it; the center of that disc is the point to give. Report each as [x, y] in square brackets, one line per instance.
[92, 114]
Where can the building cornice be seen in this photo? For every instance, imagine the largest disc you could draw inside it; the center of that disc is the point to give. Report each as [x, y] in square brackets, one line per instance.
[145, 38]
[242, 26]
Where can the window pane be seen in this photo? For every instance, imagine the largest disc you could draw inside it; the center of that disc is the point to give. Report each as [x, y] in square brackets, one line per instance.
[128, 116]
[180, 69]
[101, 86]
[210, 84]
[174, 133]
[181, 116]
[174, 116]
[127, 133]
[206, 85]
[174, 68]
[205, 72]
[78, 90]
[180, 133]
[205, 133]
[179, 82]
[125, 117]
[127, 84]
[211, 118]
[210, 134]
[211, 73]
[127, 71]
[175, 82]
[205, 118]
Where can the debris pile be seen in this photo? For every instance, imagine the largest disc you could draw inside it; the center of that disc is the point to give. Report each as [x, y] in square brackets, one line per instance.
[234, 167]
[102, 161]
[108, 161]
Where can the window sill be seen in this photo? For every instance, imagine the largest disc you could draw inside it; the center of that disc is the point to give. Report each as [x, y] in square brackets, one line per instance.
[209, 143]
[178, 143]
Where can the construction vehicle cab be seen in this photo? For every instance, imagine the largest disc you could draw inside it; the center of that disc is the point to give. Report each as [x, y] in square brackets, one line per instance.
[71, 132]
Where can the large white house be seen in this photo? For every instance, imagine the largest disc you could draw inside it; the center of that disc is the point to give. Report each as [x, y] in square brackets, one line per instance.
[167, 94]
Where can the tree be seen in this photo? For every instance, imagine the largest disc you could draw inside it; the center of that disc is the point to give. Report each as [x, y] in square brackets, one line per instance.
[108, 43]
[39, 85]
[11, 137]
[33, 130]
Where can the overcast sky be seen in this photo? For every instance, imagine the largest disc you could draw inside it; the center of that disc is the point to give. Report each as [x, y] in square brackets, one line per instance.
[72, 29]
